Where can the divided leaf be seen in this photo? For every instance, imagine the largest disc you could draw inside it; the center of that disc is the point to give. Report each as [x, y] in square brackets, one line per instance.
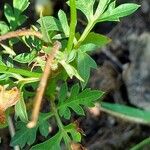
[118, 12]
[23, 135]
[85, 98]
[86, 6]
[26, 135]
[51, 144]
[54, 143]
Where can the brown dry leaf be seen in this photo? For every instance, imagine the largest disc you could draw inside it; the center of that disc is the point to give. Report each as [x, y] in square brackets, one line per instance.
[8, 98]
[77, 146]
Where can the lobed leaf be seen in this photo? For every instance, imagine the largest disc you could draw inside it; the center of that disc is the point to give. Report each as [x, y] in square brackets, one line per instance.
[54, 143]
[26, 135]
[86, 98]
[118, 12]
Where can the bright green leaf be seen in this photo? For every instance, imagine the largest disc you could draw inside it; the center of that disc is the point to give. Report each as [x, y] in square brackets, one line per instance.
[64, 23]
[20, 109]
[25, 57]
[96, 39]
[84, 64]
[20, 6]
[3, 28]
[71, 71]
[119, 12]
[86, 6]
[8, 50]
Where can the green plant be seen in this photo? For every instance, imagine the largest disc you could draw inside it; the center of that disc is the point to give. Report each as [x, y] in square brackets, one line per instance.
[52, 63]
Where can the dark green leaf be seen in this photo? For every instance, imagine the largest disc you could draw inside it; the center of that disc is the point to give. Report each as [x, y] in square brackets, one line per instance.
[76, 100]
[51, 144]
[24, 135]
[44, 128]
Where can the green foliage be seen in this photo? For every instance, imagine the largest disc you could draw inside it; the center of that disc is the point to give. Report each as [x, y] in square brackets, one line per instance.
[86, 98]
[26, 135]
[24, 68]
[127, 112]
[55, 142]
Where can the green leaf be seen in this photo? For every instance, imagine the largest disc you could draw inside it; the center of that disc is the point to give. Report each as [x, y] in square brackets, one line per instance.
[64, 23]
[20, 6]
[86, 6]
[9, 14]
[119, 12]
[71, 71]
[96, 39]
[25, 57]
[51, 144]
[86, 98]
[54, 143]
[8, 50]
[51, 23]
[102, 5]
[127, 112]
[20, 109]
[84, 64]
[26, 135]
[43, 125]
[63, 91]
[3, 28]
[72, 130]
[23, 135]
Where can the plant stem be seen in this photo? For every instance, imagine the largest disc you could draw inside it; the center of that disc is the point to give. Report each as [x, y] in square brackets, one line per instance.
[85, 33]
[42, 85]
[73, 23]
[23, 72]
[141, 145]
[61, 126]
[19, 33]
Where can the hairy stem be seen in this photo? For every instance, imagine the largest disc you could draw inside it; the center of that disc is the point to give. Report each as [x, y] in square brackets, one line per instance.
[42, 85]
[73, 23]
[19, 33]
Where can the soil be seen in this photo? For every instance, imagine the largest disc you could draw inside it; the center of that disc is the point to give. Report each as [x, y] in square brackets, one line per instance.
[102, 131]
